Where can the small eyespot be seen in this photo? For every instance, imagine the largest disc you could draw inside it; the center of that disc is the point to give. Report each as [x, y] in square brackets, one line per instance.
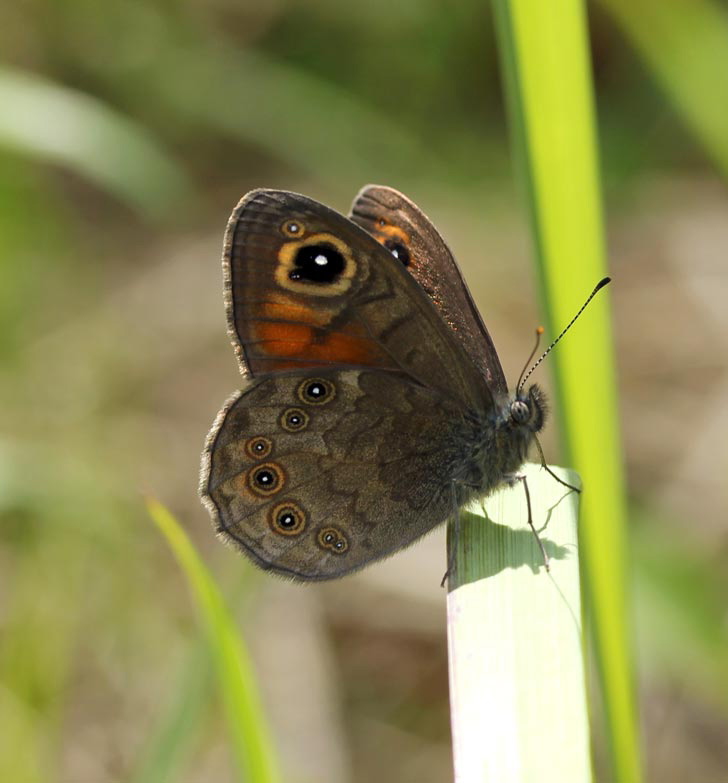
[292, 228]
[258, 447]
[398, 250]
[266, 479]
[288, 519]
[382, 222]
[316, 391]
[520, 412]
[294, 420]
[333, 540]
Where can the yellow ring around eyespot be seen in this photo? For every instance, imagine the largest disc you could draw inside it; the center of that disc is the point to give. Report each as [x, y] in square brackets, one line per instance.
[262, 491]
[339, 538]
[251, 442]
[329, 395]
[298, 513]
[286, 228]
[287, 258]
[305, 418]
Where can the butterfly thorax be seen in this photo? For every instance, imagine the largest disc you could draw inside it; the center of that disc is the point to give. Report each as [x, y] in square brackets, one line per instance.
[499, 439]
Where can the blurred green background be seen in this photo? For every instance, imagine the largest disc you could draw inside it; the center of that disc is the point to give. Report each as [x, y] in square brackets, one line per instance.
[128, 131]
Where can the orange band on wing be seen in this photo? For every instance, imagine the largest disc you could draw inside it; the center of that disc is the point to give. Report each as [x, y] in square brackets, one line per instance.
[299, 341]
[285, 308]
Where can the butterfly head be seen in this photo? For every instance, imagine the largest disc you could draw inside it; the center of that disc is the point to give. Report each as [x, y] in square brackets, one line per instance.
[528, 409]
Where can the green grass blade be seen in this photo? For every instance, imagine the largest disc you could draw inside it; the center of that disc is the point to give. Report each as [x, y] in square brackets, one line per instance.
[517, 683]
[545, 59]
[249, 735]
[685, 45]
[59, 125]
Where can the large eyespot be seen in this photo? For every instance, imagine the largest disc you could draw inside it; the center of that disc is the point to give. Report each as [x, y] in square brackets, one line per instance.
[398, 250]
[316, 391]
[520, 412]
[333, 540]
[292, 228]
[321, 264]
[266, 479]
[288, 519]
[258, 447]
[294, 419]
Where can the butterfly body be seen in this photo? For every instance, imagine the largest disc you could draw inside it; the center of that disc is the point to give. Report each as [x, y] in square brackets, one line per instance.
[373, 400]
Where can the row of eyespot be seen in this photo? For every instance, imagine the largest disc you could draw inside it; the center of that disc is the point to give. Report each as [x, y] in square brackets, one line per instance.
[268, 478]
[288, 518]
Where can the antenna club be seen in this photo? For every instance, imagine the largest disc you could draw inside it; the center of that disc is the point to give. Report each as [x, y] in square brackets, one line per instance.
[539, 330]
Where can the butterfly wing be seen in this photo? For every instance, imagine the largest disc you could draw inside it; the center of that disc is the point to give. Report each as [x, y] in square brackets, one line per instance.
[305, 287]
[315, 474]
[398, 224]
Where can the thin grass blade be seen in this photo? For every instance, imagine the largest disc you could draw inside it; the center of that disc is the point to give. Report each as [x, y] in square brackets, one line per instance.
[247, 726]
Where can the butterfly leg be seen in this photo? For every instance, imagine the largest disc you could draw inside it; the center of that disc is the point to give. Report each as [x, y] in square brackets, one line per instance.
[453, 548]
[549, 471]
[521, 477]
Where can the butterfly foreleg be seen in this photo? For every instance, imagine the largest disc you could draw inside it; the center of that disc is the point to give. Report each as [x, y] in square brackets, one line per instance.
[453, 545]
[512, 479]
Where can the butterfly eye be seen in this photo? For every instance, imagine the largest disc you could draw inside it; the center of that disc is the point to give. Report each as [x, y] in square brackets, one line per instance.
[398, 250]
[520, 412]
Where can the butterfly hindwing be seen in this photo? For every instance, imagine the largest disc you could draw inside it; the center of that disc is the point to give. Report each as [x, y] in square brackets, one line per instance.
[316, 474]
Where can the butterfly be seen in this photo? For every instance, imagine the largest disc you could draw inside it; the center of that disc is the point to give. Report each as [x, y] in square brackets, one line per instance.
[374, 404]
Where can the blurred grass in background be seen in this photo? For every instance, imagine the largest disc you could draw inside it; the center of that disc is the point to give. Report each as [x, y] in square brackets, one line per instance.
[127, 134]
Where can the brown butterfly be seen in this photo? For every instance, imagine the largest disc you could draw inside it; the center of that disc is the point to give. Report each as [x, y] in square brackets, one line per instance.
[374, 403]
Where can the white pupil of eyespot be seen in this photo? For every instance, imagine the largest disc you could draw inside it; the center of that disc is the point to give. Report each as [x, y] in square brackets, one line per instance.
[395, 253]
[321, 260]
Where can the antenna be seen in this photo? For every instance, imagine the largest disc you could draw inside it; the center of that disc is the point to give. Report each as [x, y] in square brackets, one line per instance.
[523, 378]
[539, 332]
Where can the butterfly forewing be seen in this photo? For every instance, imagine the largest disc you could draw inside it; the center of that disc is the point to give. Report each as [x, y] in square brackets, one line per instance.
[306, 288]
[401, 226]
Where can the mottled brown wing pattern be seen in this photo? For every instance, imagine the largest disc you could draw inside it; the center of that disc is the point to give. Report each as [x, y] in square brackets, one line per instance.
[307, 288]
[399, 224]
[316, 474]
